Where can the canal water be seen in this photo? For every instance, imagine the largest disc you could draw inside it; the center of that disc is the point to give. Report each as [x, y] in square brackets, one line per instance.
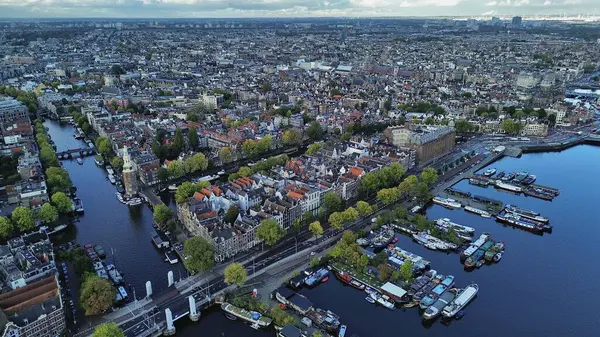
[543, 286]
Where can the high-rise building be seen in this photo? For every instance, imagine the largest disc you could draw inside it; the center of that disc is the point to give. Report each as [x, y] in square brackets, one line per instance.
[129, 175]
[517, 20]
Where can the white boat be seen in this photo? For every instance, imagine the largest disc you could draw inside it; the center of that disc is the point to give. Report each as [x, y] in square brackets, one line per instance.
[475, 245]
[79, 161]
[508, 187]
[489, 172]
[435, 309]
[171, 257]
[342, 332]
[110, 170]
[478, 211]
[384, 300]
[462, 299]
[100, 270]
[431, 242]
[447, 202]
[370, 299]
[497, 257]
[114, 274]
[221, 172]
[446, 223]
[112, 179]
[172, 188]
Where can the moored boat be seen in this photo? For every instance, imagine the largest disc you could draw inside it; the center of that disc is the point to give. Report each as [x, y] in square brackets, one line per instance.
[521, 176]
[478, 211]
[483, 238]
[509, 176]
[472, 260]
[489, 172]
[446, 223]
[518, 221]
[526, 213]
[508, 187]
[112, 179]
[79, 161]
[342, 332]
[529, 180]
[428, 300]
[447, 202]
[498, 256]
[114, 274]
[462, 299]
[357, 284]
[370, 299]
[100, 251]
[316, 277]
[436, 308]
[247, 315]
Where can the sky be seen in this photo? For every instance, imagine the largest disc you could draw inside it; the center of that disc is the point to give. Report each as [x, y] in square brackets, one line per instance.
[289, 8]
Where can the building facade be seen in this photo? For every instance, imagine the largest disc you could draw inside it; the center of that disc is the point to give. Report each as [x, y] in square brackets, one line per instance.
[129, 175]
[429, 142]
[12, 110]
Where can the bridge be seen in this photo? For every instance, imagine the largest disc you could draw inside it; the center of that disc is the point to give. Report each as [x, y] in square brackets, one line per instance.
[74, 153]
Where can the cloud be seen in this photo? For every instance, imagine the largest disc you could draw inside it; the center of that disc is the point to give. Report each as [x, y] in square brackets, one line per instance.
[290, 8]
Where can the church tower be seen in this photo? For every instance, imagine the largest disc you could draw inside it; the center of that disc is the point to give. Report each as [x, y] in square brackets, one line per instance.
[129, 175]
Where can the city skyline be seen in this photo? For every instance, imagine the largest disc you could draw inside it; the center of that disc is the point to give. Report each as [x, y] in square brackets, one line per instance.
[291, 8]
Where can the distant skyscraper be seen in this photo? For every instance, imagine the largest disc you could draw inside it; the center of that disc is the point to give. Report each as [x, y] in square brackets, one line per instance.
[517, 20]
[129, 175]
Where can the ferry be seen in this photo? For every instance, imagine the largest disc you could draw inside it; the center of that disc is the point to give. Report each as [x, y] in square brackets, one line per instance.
[434, 310]
[79, 161]
[446, 223]
[114, 274]
[526, 213]
[462, 299]
[489, 172]
[478, 211]
[509, 187]
[112, 179]
[447, 202]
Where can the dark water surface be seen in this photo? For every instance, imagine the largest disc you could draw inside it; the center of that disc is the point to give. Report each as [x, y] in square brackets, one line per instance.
[544, 286]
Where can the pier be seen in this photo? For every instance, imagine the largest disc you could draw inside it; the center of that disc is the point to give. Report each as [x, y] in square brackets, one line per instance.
[81, 152]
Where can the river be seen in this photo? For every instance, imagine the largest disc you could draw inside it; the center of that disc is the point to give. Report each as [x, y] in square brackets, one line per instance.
[542, 286]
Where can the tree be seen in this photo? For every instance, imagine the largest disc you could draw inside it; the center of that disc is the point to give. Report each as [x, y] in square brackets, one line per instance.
[371, 182]
[108, 330]
[235, 273]
[269, 231]
[225, 155]
[97, 295]
[350, 215]
[58, 179]
[336, 220]
[178, 141]
[6, 227]
[103, 145]
[384, 272]
[193, 138]
[314, 148]
[541, 113]
[24, 218]
[162, 174]
[462, 126]
[314, 131]
[406, 270]
[264, 145]
[292, 136]
[200, 253]
[175, 169]
[364, 208]
[315, 228]
[280, 317]
[232, 213]
[429, 176]
[333, 202]
[401, 212]
[62, 202]
[421, 222]
[511, 127]
[184, 191]
[388, 195]
[421, 192]
[249, 148]
[48, 213]
[117, 163]
[162, 213]
[315, 333]
[195, 163]
[308, 217]
[552, 119]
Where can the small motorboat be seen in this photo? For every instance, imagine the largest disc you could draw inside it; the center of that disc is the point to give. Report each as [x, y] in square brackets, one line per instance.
[79, 161]
[370, 299]
[479, 263]
[497, 257]
[325, 279]
[459, 314]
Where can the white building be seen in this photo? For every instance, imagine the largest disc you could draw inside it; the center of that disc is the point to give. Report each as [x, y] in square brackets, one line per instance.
[535, 129]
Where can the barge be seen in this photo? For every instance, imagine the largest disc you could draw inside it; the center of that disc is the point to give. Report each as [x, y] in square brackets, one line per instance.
[480, 212]
[462, 299]
[526, 213]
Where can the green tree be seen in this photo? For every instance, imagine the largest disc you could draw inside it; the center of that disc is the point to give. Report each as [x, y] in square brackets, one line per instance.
[264, 145]
[280, 317]
[421, 192]
[314, 131]
[315, 228]
[58, 179]
[162, 174]
[108, 330]
[6, 227]
[510, 126]
[317, 333]
[308, 217]
[314, 148]
[200, 253]
[231, 215]
[406, 270]
[292, 136]
[350, 215]
[462, 126]
[48, 213]
[162, 213]
[178, 141]
[175, 169]
[401, 212]
[193, 138]
[333, 202]
[235, 273]
[195, 163]
[429, 176]
[48, 156]
[103, 145]
[388, 195]
[364, 208]
[97, 295]
[117, 163]
[249, 148]
[552, 119]
[269, 231]
[384, 272]
[245, 171]
[24, 218]
[62, 202]
[541, 113]
[336, 220]
[184, 191]
[225, 155]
